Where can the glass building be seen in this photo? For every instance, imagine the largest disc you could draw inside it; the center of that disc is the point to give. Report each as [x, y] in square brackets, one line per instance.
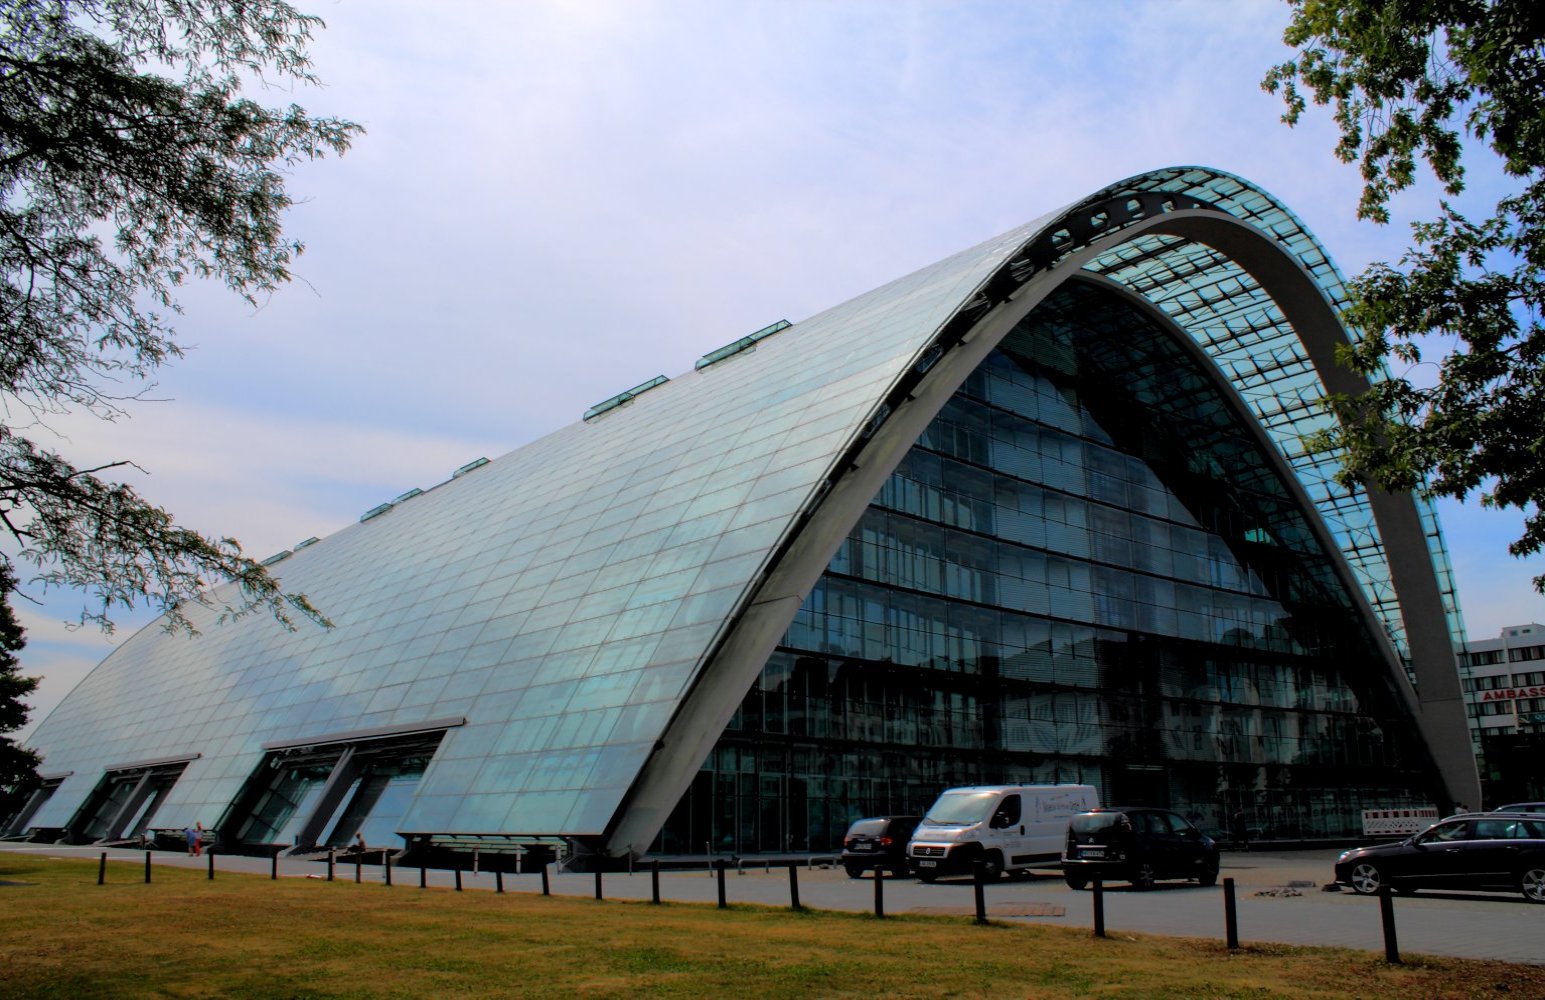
[1038, 512]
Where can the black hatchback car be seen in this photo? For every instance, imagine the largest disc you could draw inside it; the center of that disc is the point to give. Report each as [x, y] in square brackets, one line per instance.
[1136, 844]
[1486, 851]
[878, 843]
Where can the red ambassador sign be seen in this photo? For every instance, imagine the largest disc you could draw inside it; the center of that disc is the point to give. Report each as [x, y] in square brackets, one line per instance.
[1502, 694]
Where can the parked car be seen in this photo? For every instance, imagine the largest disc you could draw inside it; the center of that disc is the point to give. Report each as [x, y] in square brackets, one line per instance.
[1487, 851]
[1008, 829]
[877, 844]
[1136, 844]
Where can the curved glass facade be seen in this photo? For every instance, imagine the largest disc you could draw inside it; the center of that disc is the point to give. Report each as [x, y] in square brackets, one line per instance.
[1245, 333]
[1106, 559]
[1087, 570]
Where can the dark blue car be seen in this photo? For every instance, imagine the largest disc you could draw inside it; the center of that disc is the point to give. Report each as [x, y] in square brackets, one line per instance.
[1486, 851]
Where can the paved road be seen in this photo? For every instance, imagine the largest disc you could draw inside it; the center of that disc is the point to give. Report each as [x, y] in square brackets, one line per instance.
[1270, 906]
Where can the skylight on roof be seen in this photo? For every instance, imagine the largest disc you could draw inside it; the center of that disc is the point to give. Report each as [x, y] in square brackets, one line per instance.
[623, 397]
[743, 344]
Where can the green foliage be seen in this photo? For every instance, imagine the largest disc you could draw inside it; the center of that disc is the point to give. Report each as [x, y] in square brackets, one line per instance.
[1435, 81]
[119, 182]
[16, 765]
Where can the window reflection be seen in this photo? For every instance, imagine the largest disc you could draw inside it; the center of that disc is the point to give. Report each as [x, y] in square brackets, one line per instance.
[1084, 571]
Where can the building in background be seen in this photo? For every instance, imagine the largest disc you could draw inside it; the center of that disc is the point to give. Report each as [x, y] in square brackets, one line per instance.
[1505, 687]
[1040, 512]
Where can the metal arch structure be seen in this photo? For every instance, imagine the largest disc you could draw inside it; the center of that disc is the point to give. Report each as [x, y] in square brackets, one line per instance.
[1058, 252]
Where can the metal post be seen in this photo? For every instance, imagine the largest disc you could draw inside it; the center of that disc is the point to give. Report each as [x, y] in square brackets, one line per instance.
[1387, 913]
[386, 861]
[979, 887]
[719, 870]
[102, 870]
[332, 859]
[879, 894]
[1099, 907]
[211, 856]
[147, 867]
[598, 883]
[498, 880]
[423, 876]
[546, 889]
[1230, 915]
[457, 870]
[359, 866]
[273, 866]
[654, 882]
[794, 885]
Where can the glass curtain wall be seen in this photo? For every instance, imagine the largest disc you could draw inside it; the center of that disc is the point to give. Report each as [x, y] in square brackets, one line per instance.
[1086, 570]
[282, 799]
[23, 802]
[124, 803]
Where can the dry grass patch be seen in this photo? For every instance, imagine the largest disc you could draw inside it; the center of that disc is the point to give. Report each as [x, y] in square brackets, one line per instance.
[245, 936]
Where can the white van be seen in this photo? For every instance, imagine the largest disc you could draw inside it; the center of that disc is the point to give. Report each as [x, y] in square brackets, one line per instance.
[1009, 828]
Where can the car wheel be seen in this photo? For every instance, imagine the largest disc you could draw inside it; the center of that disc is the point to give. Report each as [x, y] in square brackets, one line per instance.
[1145, 876]
[1075, 881]
[1366, 878]
[1532, 882]
[992, 866]
[1208, 875]
[854, 871]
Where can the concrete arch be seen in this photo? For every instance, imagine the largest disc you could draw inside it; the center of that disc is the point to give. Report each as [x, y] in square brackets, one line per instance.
[938, 370]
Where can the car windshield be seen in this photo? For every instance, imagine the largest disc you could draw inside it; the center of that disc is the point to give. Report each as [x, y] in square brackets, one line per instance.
[961, 808]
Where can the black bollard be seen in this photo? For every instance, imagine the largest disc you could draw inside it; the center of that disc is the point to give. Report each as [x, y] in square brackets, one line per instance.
[423, 876]
[332, 859]
[879, 894]
[273, 866]
[211, 856]
[1230, 915]
[359, 867]
[979, 887]
[546, 889]
[147, 867]
[102, 870]
[598, 883]
[1387, 914]
[498, 880]
[386, 862]
[794, 885]
[719, 865]
[1099, 907]
[457, 870]
[654, 882]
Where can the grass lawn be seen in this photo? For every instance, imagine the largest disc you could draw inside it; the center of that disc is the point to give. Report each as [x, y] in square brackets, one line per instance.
[62, 935]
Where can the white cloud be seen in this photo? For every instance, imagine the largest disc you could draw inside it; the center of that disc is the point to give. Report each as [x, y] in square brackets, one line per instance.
[267, 479]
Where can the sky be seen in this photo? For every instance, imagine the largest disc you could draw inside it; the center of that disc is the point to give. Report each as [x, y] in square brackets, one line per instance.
[555, 201]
